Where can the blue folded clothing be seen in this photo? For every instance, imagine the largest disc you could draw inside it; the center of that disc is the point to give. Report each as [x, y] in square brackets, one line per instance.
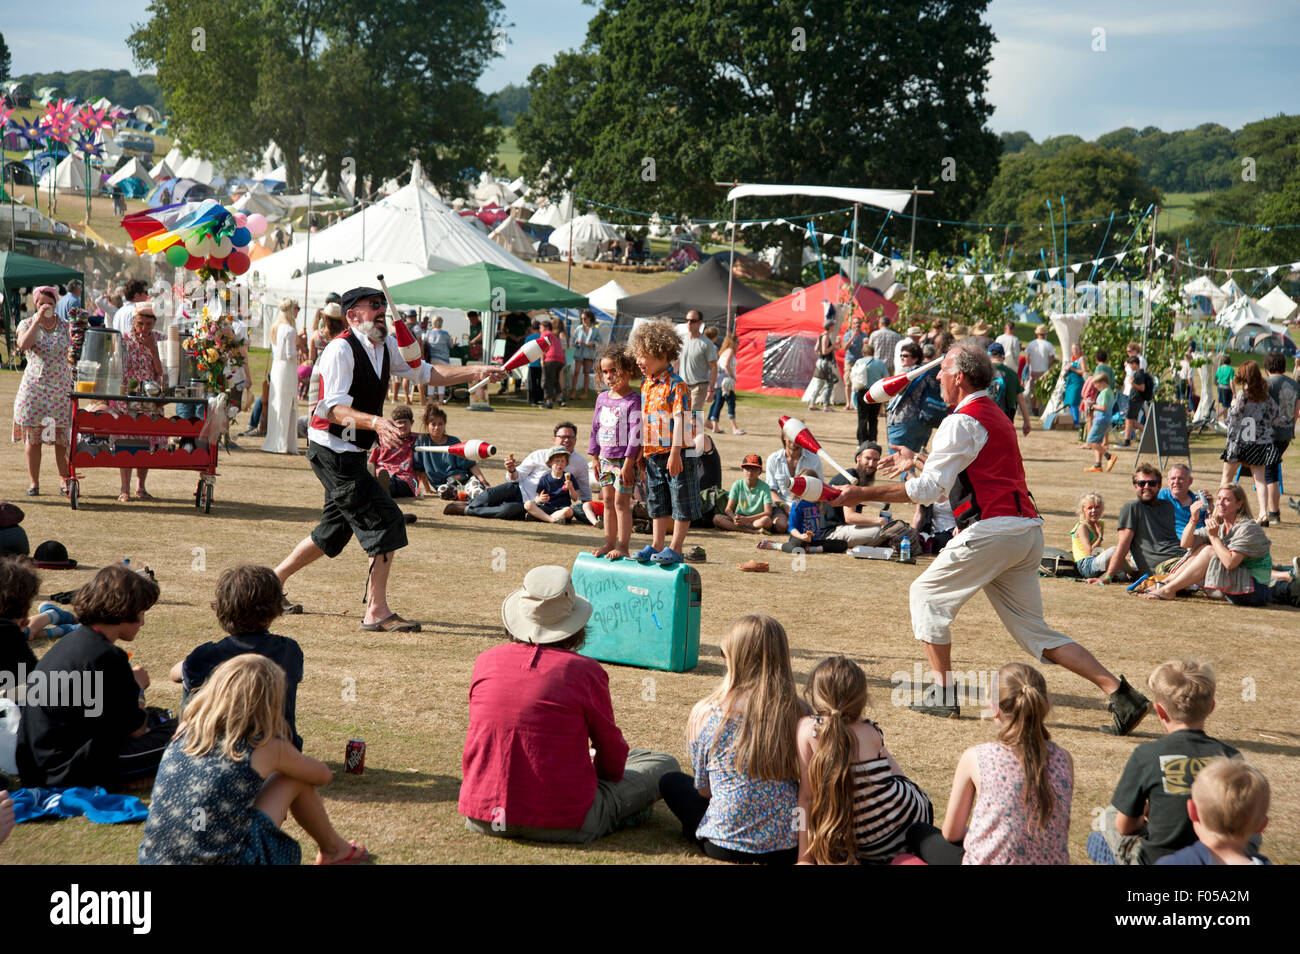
[95, 803]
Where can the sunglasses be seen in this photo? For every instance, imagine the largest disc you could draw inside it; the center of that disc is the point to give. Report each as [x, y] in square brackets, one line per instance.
[1146, 483]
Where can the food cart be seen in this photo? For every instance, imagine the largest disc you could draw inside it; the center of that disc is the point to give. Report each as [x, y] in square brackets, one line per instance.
[97, 433]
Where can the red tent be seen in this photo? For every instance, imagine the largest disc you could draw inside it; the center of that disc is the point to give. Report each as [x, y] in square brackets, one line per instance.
[775, 353]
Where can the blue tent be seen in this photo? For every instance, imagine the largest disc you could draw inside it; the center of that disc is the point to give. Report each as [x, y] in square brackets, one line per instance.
[133, 188]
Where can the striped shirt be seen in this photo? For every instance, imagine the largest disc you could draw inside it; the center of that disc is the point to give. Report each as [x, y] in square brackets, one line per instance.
[885, 805]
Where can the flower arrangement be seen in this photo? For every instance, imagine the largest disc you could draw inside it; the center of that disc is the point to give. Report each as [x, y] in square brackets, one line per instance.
[78, 322]
[214, 348]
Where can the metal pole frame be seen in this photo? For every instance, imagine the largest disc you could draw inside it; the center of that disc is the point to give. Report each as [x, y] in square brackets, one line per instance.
[731, 263]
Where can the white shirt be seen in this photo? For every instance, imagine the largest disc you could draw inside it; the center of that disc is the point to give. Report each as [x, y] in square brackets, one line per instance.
[1040, 352]
[779, 476]
[122, 320]
[336, 365]
[957, 442]
[1011, 347]
[533, 467]
[1128, 373]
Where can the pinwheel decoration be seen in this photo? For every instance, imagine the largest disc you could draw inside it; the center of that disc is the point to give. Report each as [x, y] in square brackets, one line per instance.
[5, 112]
[93, 119]
[88, 148]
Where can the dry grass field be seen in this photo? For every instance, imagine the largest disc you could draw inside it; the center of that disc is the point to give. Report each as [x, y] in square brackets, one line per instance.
[410, 689]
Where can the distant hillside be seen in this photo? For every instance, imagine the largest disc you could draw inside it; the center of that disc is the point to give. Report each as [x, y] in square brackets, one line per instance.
[89, 85]
[511, 102]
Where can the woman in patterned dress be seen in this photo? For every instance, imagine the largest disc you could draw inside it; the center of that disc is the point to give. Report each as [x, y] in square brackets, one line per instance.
[1252, 416]
[142, 364]
[42, 408]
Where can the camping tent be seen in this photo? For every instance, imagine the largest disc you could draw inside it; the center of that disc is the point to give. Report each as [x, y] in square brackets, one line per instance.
[607, 296]
[70, 176]
[583, 235]
[1232, 290]
[354, 275]
[704, 289]
[554, 214]
[200, 170]
[133, 169]
[514, 239]
[775, 354]
[490, 190]
[1279, 305]
[486, 286]
[161, 170]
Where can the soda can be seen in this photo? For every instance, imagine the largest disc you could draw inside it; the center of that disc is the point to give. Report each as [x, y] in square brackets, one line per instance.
[354, 756]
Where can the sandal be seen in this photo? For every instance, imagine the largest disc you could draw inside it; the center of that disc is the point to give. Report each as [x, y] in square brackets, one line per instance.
[752, 566]
[143, 495]
[356, 855]
[391, 624]
[123, 498]
[33, 491]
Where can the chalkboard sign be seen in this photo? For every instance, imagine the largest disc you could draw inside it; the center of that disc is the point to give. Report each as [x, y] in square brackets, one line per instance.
[1165, 433]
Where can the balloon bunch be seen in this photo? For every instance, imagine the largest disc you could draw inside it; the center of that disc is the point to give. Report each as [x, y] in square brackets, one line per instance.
[204, 237]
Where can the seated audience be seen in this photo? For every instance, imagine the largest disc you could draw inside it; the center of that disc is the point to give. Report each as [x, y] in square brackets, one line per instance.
[782, 468]
[553, 502]
[1147, 818]
[505, 501]
[857, 802]
[749, 504]
[111, 739]
[807, 529]
[1229, 810]
[248, 600]
[1086, 538]
[1178, 493]
[853, 525]
[434, 470]
[19, 584]
[535, 705]
[1146, 530]
[740, 803]
[395, 466]
[231, 765]
[1010, 801]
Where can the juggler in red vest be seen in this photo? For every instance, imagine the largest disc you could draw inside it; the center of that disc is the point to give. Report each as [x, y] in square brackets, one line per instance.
[993, 484]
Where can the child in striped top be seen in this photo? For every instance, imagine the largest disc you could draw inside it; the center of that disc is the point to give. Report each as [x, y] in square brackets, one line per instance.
[856, 802]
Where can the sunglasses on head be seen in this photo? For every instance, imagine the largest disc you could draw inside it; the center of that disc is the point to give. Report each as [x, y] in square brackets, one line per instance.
[1146, 483]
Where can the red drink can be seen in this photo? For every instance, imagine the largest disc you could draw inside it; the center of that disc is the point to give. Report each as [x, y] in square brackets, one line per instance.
[354, 756]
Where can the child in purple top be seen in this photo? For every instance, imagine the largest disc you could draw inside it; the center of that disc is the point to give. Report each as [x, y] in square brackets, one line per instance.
[615, 445]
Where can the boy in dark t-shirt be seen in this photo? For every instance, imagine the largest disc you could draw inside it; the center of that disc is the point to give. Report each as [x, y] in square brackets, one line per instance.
[1148, 816]
[18, 586]
[84, 721]
[248, 600]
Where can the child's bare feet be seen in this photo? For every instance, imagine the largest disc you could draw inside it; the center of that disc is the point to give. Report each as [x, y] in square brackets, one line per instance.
[606, 549]
[765, 545]
[616, 554]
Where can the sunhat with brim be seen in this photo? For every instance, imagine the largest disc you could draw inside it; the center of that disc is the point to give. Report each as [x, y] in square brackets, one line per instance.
[53, 555]
[556, 452]
[546, 610]
[332, 309]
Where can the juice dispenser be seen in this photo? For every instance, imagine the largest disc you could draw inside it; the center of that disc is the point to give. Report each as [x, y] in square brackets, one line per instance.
[103, 356]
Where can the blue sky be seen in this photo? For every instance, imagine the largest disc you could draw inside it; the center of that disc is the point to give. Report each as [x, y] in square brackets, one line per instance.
[1167, 63]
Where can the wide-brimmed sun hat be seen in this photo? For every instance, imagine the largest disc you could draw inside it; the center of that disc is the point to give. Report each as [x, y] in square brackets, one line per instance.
[547, 609]
[332, 309]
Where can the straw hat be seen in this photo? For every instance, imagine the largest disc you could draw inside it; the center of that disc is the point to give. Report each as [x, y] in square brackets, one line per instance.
[958, 331]
[980, 328]
[332, 310]
[546, 610]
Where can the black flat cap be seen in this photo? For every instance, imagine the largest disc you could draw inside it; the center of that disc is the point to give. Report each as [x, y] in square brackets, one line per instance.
[354, 295]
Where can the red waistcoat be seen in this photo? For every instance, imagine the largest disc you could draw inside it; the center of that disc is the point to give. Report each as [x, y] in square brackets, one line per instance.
[993, 484]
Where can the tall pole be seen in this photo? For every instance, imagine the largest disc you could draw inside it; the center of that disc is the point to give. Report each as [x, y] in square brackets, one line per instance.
[731, 264]
[306, 267]
[1051, 218]
[568, 274]
[911, 251]
[1146, 299]
[1065, 235]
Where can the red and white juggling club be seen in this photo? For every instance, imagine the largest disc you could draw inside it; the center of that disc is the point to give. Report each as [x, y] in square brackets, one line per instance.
[406, 343]
[470, 450]
[796, 430]
[530, 351]
[886, 388]
[812, 490]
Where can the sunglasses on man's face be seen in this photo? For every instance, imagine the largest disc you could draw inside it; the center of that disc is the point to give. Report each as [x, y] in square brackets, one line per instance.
[1146, 483]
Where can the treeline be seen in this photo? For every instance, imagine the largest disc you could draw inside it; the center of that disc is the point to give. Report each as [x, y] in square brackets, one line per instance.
[510, 102]
[89, 85]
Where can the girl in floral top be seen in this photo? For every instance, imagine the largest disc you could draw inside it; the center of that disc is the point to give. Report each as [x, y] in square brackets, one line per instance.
[1251, 419]
[1010, 802]
[741, 804]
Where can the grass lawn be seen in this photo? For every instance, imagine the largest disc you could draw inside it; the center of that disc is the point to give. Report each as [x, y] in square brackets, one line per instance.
[410, 689]
[1175, 210]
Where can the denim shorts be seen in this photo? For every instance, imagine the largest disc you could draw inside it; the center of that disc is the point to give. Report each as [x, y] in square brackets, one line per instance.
[1261, 595]
[1100, 426]
[1089, 567]
[677, 497]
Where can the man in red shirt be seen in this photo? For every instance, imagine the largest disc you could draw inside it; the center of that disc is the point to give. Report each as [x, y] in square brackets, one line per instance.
[535, 706]
[976, 463]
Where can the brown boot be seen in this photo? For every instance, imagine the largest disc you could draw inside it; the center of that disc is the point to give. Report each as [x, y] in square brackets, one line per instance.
[454, 510]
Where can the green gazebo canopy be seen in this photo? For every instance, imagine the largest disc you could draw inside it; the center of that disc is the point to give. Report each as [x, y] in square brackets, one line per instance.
[485, 287]
[24, 271]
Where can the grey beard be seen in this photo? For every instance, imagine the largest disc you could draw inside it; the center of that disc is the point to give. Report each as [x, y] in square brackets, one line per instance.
[372, 330]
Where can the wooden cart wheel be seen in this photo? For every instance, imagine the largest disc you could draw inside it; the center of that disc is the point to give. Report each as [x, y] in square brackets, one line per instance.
[74, 493]
[207, 497]
[198, 494]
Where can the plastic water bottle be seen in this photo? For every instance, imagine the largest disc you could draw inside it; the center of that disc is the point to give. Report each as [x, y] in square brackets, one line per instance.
[905, 551]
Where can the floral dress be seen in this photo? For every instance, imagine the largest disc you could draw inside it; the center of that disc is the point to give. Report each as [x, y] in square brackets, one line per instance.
[139, 368]
[43, 394]
[1250, 432]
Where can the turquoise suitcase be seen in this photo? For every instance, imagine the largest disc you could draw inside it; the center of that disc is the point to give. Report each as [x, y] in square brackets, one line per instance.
[643, 614]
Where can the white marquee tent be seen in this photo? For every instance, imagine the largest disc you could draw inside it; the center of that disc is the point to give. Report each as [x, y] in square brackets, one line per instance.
[410, 226]
[1279, 305]
[1246, 315]
[1232, 290]
[161, 170]
[586, 233]
[606, 297]
[490, 190]
[70, 176]
[510, 236]
[134, 169]
[554, 214]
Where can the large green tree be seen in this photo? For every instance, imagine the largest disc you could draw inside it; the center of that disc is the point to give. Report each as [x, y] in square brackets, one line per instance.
[376, 82]
[5, 59]
[667, 96]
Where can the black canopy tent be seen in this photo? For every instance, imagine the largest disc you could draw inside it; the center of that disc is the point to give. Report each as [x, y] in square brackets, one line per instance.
[704, 290]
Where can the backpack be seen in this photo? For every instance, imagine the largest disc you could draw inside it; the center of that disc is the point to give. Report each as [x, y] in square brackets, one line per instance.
[1057, 563]
[893, 534]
